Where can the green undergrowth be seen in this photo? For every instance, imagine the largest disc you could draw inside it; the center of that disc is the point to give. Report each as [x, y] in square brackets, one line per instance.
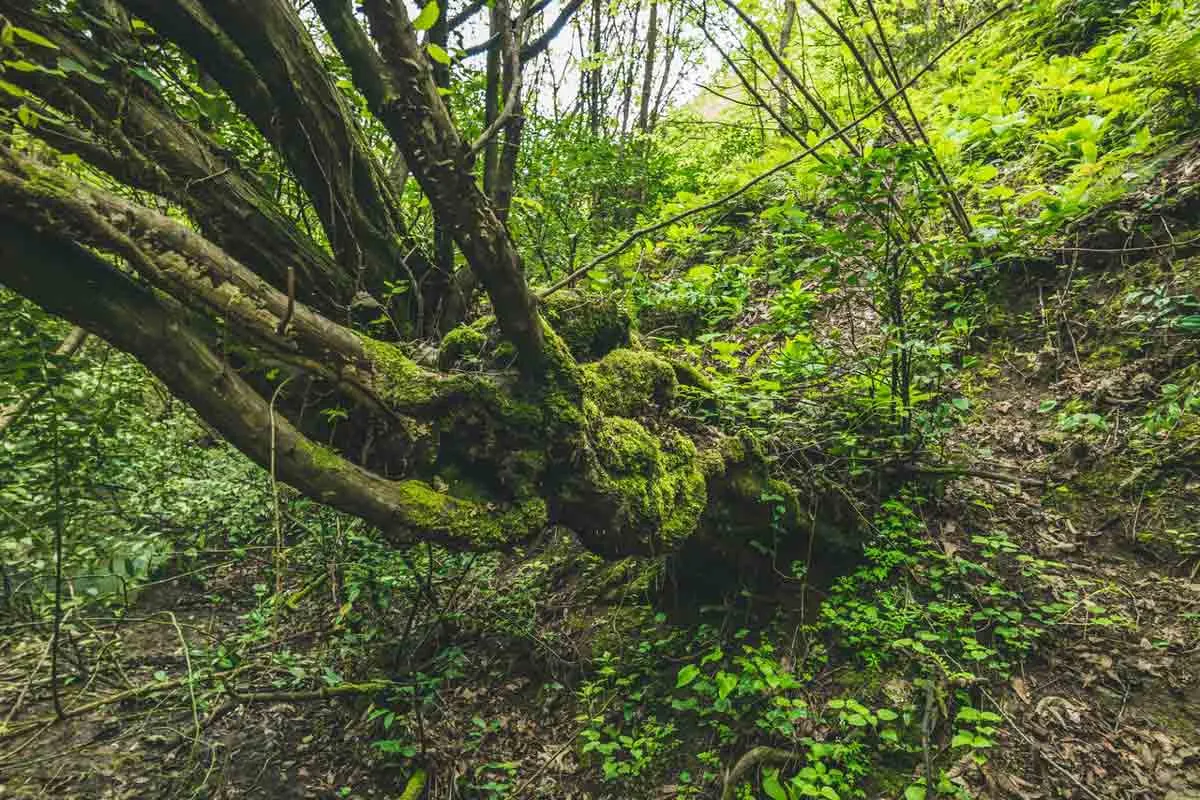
[895, 662]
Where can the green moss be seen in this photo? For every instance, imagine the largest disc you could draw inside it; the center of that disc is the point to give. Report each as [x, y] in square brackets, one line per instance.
[688, 375]
[423, 508]
[591, 325]
[323, 458]
[630, 383]
[652, 491]
[461, 344]
[398, 378]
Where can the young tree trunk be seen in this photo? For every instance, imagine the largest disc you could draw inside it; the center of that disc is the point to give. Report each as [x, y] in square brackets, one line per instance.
[644, 120]
[785, 38]
[595, 74]
[491, 97]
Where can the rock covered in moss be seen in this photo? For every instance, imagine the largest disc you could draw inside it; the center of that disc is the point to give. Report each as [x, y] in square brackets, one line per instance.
[461, 345]
[592, 325]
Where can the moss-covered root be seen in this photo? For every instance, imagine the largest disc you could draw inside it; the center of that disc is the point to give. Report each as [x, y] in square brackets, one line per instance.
[745, 501]
[645, 493]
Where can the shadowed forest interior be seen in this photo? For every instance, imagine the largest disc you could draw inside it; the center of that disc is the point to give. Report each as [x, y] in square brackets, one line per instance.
[600, 399]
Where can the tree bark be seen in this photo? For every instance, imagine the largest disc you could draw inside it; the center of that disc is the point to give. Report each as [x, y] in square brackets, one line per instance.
[266, 61]
[595, 74]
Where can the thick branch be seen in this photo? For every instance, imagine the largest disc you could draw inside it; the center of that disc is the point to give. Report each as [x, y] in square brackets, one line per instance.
[147, 146]
[73, 283]
[401, 92]
[259, 52]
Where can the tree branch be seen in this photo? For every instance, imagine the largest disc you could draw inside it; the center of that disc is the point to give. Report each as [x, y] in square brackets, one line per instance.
[67, 348]
[149, 147]
[71, 282]
[260, 53]
[510, 34]
[404, 97]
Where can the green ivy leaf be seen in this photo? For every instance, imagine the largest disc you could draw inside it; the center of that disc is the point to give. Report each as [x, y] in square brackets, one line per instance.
[914, 792]
[428, 16]
[438, 54]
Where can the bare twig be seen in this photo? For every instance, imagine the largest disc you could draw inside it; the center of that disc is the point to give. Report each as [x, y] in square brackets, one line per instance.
[511, 35]
[975, 472]
[67, 348]
[118, 697]
[291, 302]
[191, 679]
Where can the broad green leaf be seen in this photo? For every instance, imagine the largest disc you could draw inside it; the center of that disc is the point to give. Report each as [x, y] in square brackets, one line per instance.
[726, 683]
[15, 91]
[914, 792]
[686, 675]
[428, 16]
[438, 54]
[148, 76]
[963, 739]
[27, 117]
[772, 786]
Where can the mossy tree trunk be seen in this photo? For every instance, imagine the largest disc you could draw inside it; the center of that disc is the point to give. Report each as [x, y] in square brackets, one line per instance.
[248, 315]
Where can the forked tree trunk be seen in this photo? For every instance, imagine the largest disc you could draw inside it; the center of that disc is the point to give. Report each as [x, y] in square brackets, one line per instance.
[228, 312]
